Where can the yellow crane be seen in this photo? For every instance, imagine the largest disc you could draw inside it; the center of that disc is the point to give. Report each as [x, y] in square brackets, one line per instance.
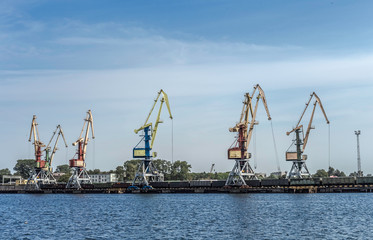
[145, 152]
[239, 149]
[299, 168]
[38, 145]
[146, 171]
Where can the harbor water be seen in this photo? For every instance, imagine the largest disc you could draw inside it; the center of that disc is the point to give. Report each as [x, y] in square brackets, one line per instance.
[187, 216]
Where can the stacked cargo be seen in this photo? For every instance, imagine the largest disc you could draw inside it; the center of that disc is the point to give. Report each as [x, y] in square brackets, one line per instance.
[339, 181]
[305, 181]
[159, 184]
[274, 182]
[53, 186]
[253, 183]
[121, 185]
[364, 180]
[200, 183]
[179, 184]
[218, 184]
[89, 186]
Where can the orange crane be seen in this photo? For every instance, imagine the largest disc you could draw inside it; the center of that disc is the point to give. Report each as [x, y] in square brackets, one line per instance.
[42, 172]
[239, 149]
[299, 168]
[80, 174]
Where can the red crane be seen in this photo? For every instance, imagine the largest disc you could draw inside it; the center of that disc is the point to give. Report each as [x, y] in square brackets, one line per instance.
[80, 174]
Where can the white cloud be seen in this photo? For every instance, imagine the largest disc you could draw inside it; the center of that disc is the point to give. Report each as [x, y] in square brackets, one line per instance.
[205, 100]
[119, 69]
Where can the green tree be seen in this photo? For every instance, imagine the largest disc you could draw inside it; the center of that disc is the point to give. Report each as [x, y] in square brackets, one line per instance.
[180, 170]
[3, 172]
[321, 173]
[130, 168]
[339, 173]
[63, 168]
[120, 173]
[23, 167]
[95, 171]
[330, 171]
[64, 178]
[335, 172]
[162, 166]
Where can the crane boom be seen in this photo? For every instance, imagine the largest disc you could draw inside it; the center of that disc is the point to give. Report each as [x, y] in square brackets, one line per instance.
[309, 127]
[239, 149]
[89, 121]
[60, 133]
[80, 174]
[35, 133]
[163, 100]
[146, 170]
[262, 96]
[42, 172]
[247, 122]
[299, 168]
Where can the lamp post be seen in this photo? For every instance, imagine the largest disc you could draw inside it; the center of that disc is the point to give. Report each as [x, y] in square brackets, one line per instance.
[359, 172]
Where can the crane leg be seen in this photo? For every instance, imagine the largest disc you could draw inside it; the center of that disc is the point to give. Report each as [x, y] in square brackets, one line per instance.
[299, 170]
[241, 171]
[39, 177]
[80, 176]
[147, 173]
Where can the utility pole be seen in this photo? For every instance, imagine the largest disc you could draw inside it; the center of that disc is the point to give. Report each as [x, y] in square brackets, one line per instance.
[359, 172]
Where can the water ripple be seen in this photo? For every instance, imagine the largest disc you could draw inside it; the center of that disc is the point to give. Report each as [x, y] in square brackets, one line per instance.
[187, 216]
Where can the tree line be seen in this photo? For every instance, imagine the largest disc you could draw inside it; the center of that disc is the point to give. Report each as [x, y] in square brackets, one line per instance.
[177, 170]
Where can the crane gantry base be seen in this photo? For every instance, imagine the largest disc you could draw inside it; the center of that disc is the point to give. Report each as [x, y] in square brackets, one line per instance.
[146, 173]
[241, 171]
[40, 176]
[299, 170]
[80, 176]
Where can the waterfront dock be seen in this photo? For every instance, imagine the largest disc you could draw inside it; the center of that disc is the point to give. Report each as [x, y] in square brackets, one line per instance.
[312, 185]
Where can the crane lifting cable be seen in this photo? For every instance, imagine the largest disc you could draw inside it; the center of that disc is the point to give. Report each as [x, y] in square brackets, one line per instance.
[299, 168]
[49, 159]
[254, 151]
[275, 146]
[172, 141]
[329, 145]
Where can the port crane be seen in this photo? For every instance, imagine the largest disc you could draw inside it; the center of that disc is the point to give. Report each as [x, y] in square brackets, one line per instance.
[212, 168]
[80, 174]
[299, 168]
[42, 172]
[48, 155]
[146, 171]
[238, 151]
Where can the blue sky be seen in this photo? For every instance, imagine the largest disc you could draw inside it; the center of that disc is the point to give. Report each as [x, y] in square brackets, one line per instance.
[60, 58]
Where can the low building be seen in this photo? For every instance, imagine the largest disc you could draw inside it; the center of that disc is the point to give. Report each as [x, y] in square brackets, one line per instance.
[10, 179]
[104, 178]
